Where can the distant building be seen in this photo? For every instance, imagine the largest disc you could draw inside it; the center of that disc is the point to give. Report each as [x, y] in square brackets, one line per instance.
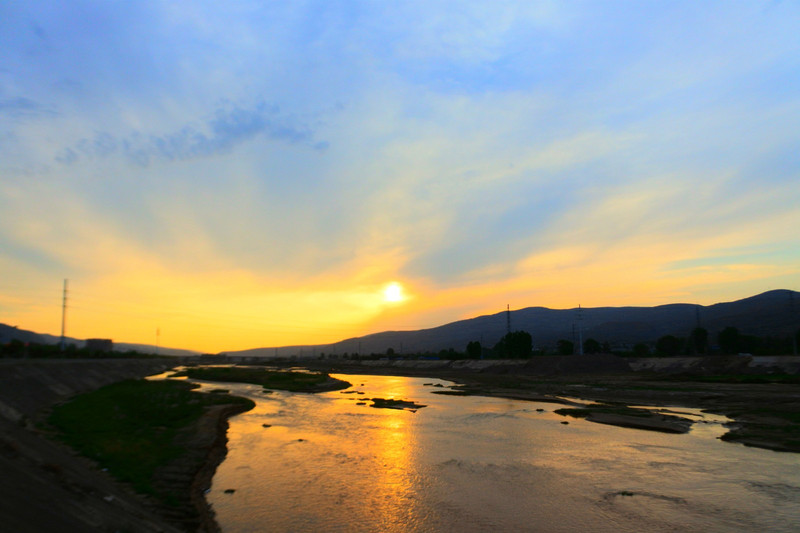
[99, 345]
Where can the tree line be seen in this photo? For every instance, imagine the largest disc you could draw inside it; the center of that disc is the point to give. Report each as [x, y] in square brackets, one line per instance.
[519, 345]
[16, 348]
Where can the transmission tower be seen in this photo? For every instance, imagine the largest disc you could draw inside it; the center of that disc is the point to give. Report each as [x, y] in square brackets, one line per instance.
[793, 321]
[64, 315]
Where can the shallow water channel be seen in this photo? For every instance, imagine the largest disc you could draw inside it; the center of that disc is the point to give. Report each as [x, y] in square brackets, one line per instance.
[322, 462]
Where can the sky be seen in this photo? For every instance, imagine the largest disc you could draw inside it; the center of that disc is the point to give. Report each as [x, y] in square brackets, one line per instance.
[229, 175]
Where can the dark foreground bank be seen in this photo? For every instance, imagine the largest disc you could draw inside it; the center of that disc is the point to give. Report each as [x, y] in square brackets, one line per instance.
[83, 447]
[157, 437]
[46, 485]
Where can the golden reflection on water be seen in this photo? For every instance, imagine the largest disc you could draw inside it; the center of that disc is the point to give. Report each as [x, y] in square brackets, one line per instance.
[391, 387]
[393, 446]
[325, 463]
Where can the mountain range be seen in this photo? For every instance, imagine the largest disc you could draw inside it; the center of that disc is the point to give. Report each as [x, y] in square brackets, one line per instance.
[771, 314]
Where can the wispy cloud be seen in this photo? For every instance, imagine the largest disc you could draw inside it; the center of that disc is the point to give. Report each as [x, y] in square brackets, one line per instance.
[24, 107]
[227, 128]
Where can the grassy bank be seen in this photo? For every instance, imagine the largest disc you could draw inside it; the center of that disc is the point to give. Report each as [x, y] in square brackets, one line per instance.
[131, 427]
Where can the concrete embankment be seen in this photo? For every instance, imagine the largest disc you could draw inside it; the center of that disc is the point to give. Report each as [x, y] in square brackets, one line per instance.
[554, 365]
[45, 486]
[719, 364]
[30, 385]
[541, 365]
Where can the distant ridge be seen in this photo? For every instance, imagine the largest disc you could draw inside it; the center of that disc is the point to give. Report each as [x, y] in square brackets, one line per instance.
[774, 313]
[9, 333]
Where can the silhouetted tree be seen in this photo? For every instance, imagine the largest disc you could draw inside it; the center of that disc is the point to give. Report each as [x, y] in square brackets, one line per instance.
[591, 346]
[729, 340]
[474, 350]
[752, 344]
[15, 348]
[668, 345]
[796, 344]
[699, 340]
[449, 353]
[390, 352]
[516, 344]
[640, 349]
[565, 347]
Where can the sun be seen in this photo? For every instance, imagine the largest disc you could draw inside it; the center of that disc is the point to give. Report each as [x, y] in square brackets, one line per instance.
[393, 292]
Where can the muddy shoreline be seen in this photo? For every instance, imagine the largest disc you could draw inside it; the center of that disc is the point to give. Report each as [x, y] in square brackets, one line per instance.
[766, 415]
[216, 429]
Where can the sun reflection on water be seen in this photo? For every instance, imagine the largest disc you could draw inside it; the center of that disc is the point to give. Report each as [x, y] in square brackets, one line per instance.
[392, 445]
[330, 462]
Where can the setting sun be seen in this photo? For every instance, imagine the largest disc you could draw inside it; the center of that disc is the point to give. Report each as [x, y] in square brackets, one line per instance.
[393, 292]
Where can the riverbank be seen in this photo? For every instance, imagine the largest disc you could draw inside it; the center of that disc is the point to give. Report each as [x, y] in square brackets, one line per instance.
[765, 415]
[48, 485]
[765, 406]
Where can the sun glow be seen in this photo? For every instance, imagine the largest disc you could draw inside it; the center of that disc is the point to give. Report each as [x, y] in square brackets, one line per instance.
[393, 292]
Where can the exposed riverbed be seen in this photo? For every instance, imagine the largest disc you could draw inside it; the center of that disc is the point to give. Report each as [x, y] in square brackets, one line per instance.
[331, 462]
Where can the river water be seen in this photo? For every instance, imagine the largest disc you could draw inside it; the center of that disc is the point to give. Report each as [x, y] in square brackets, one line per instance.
[324, 463]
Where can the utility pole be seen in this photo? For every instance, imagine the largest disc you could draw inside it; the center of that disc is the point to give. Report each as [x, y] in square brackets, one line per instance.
[64, 315]
[580, 330]
[574, 339]
[508, 318]
[793, 321]
[158, 335]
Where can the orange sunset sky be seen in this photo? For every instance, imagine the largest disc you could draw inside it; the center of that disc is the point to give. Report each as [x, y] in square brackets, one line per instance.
[238, 175]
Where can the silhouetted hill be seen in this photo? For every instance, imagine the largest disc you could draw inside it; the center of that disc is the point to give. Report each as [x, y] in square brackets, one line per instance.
[771, 314]
[9, 333]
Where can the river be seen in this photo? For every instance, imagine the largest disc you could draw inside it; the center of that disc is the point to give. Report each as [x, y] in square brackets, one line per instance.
[325, 463]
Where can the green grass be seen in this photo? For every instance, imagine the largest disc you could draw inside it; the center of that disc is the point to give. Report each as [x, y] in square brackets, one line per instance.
[130, 427]
[269, 379]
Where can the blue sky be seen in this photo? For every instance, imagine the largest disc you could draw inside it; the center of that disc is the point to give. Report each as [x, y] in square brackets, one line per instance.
[255, 173]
